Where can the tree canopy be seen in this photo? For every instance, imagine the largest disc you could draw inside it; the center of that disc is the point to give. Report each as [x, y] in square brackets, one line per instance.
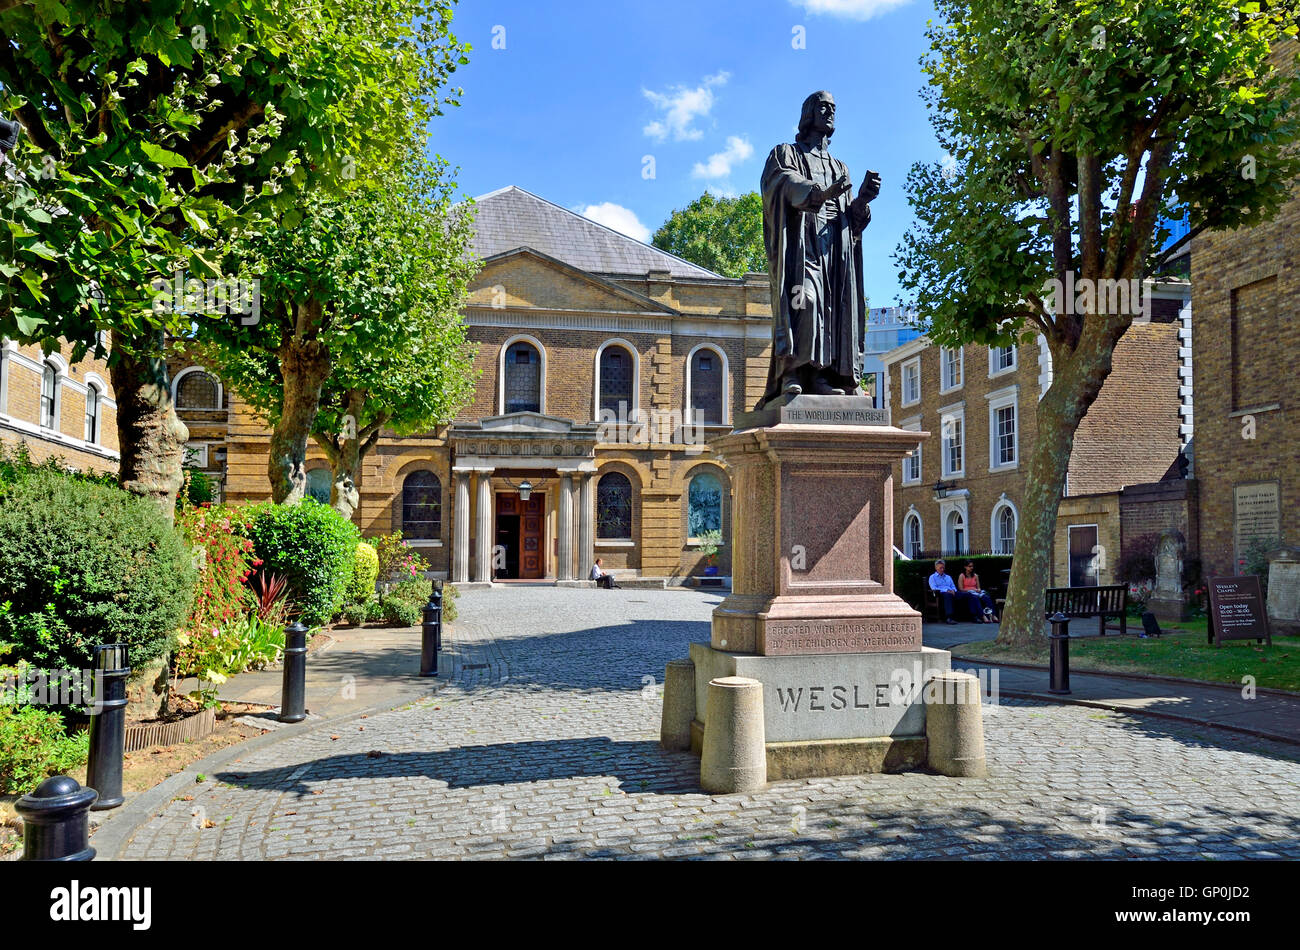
[724, 235]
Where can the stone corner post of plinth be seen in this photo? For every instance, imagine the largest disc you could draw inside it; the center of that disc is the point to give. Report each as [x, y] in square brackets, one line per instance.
[679, 705]
[734, 758]
[954, 725]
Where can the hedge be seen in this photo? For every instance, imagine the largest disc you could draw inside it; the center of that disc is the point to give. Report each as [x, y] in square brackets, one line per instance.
[83, 564]
[313, 547]
[911, 577]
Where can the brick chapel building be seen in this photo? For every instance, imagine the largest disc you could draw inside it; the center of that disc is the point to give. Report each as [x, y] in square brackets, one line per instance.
[605, 365]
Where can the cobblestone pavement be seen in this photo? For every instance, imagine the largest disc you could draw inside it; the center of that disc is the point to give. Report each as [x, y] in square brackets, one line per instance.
[545, 746]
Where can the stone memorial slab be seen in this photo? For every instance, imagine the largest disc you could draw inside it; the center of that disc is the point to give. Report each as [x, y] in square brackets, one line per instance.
[1256, 517]
[1284, 591]
[815, 410]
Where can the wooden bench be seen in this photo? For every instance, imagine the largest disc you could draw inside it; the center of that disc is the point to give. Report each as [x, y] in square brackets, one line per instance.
[1099, 602]
[935, 611]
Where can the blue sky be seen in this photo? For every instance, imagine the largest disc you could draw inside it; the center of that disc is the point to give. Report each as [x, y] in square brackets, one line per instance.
[583, 91]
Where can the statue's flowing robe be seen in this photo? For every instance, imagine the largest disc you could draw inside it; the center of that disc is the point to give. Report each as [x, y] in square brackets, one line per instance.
[814, 259]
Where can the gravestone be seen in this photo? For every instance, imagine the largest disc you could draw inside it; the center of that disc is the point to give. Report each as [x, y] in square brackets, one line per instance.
[1284, 591]
[1167, 601]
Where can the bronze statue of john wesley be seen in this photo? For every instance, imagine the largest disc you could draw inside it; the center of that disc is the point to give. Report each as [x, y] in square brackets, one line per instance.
[813, 234]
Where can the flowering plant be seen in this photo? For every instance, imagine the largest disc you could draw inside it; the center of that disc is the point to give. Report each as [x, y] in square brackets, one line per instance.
[223, 556]
[398, 561]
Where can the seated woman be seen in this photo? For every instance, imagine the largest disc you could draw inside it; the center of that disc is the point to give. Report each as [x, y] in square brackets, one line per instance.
[978, 601]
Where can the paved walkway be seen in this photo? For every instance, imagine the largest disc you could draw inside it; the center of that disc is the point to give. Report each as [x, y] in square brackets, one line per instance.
[545, 745]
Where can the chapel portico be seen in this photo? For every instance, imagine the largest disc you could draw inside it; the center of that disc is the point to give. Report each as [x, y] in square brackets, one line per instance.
[532, 506]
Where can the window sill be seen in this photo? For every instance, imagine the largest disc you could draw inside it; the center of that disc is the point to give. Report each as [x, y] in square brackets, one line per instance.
[615, 543]
[423, 542]
[1254, 409]
[698, 543]
[1005, 467]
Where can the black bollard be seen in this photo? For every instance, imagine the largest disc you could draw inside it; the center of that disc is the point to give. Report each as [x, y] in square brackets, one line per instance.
[56, 821]
[1059, 664]
[108, 726]
[293, 697]
[431, 632]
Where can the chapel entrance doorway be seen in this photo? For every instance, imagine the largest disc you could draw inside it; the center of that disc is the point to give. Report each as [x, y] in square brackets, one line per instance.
[520, 531]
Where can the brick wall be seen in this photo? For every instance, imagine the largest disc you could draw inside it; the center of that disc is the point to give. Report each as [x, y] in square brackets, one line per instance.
[20, 407]
[1246, 332]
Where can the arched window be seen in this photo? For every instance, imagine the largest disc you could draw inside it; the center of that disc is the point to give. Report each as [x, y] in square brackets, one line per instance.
[614, 507]
[319, 481]
[422, 507]
[616, 380]
[50, 396]
[92, 413]
[1004, 530]
[197, 390]
[708, 383]
[523, 378]
[912, 535]
[704, 505]
[956, 529]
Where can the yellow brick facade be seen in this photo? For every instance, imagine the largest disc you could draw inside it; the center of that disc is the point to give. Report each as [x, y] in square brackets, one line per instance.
[21, 377]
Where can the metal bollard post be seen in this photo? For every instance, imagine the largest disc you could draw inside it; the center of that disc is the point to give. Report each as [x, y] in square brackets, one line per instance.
[293, 696]
[56, 821]
[108, 726]
[1059, 663]
[431, 632]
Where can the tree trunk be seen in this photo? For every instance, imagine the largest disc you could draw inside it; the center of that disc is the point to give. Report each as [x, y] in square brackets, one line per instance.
[304, 367]
[345, 464]
[151, 439]
[1074, 388]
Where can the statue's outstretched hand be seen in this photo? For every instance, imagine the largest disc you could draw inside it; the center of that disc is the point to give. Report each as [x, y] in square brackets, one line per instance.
[870, 189]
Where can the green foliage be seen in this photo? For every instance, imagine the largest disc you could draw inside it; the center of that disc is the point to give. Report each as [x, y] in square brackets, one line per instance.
[365, 571]
[16, 464]
[310, 545]
[246, 643]
[1115, 109]
[374, 610]
[83, 564]
[724, 235]
[197, 488]
[355, 614]
[397, 559]
[400, 612]
[34, 746]
[911, 578]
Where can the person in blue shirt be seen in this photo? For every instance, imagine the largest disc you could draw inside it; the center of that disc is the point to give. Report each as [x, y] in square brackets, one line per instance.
[946, 590]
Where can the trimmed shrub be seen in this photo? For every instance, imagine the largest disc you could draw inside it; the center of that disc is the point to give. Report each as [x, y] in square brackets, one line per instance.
[399, 612]
[33, 746]
[313, 547]
[355, 614]
[374, 610]
[911, 577]
[365, 571]
[83, 564]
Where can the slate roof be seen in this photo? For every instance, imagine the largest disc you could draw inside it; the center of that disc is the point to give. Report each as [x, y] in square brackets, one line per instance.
[511, 218]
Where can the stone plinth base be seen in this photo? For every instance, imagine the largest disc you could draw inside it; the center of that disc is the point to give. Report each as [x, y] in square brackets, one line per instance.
[835, 714]
[833, 696]
[1173, 609]
[821, 758]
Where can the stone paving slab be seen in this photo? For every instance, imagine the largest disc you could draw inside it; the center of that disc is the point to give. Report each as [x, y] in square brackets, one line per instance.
[544, 746]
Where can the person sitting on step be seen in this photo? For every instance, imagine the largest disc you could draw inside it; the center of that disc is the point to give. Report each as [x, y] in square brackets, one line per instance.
[603, 577]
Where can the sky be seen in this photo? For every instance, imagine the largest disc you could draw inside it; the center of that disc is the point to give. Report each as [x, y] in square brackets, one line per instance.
[625, 111]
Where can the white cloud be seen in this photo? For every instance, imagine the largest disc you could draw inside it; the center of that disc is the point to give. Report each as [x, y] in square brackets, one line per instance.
[850, 9]
[681, 107]
[720, 163]
[621, 219]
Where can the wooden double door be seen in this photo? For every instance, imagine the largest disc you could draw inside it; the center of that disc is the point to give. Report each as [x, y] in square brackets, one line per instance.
[521, 535]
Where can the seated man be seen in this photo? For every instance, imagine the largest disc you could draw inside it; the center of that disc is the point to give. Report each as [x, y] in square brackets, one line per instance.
[946, 591]
[602, 577]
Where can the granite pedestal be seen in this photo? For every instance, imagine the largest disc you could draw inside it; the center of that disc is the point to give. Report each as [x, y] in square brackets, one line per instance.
[813, 615]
